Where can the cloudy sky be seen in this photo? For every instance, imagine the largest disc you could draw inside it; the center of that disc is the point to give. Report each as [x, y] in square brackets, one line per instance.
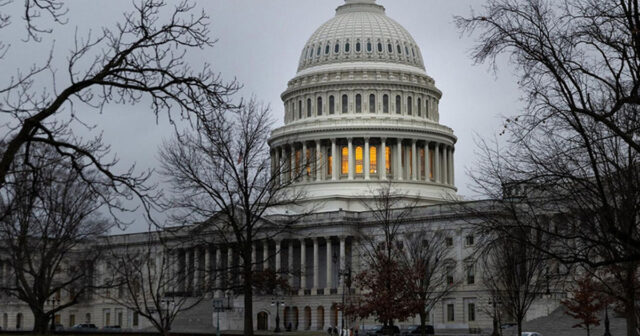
[259, 44]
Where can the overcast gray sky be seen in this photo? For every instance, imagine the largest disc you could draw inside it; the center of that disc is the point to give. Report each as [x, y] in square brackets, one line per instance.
[259, 43]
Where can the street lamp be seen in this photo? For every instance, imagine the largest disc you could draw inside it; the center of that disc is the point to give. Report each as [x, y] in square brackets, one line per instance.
[277, 301]
[346, 273]
[219, 306]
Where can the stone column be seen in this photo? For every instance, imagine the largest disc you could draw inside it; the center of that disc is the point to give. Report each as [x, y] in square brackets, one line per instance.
[265, 255]
[329, 270]
[367, 163]
[399, 159]
[316, 266]
[342, 260]
[196, 269]
[334, 152]
[436, 167]
[352, 167]
[319, 167]
[290, 263]
[383, 159]
[294, 172]
[305, 162]
[254, 256]
[414, 160]
[427, 166]
[278, 166]
[230, 264]
[219, 273]
[303, 265]
[207, 267]
[278, 256]
[453, 167]
[445, 165]
[187, 264]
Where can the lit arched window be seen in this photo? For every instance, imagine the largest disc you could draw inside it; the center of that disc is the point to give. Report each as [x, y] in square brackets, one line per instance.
[345, 103]
[359, 160]
[409, 105]
[385, 103]
[372, 103]
[347, 47]
[332, 105]
[398, 105]
[373, 160]
[419, 107]
[308, 107]
[345, 160]
[358, 103]
[319, 106]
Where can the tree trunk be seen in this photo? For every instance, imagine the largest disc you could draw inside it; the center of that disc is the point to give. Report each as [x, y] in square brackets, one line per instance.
[630, 308]
[519, 327]
[248, 296]
[423, 323]
[588, 331]
[41, 322]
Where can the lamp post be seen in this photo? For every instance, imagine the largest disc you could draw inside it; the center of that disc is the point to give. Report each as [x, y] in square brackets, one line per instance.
[346, 273]
[219, 306]
[277, 301]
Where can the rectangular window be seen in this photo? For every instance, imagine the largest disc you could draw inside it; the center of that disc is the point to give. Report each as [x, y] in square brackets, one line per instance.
[107, 318]
[450, 271]
[385, 103]
[450, 313]
[471, 274]
[135, 319]
[469, 240]
[422, 166]
[359, 160]
[345, 161]
[373, 160]
[471, 312]
[308, 162]
[358, 103]
[72, 320]
[329, 163]
[387, 160]
[448, 241]
[345, 103]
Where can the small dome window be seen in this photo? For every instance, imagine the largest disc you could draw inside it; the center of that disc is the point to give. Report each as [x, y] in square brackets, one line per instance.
[327, 49]
[372, 103]
[399, 49]
[347, 47]
[308, 107]
[336, 49]
[409, 106]
[319, 107]
[398, 105]
[358, 46]
[310, 52]
[345, 103]
[390, 48]
[358, 103]
[369, 47]
[379, 47]
[319, 50]
[406, 50]
[413, 52]
[419, 107]
[332, 105]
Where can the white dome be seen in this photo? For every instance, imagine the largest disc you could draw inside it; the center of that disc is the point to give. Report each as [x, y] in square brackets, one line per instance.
[360, 31]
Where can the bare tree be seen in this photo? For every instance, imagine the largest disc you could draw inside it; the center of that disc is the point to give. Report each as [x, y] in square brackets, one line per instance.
[573, 153]
[221, 176]
[427, 260]
[140, 60]
[49, 218]
[146, 277]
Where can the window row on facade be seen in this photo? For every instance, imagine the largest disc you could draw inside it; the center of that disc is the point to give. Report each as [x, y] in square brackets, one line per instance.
[397, 104]
[364, 158]
[394, 50]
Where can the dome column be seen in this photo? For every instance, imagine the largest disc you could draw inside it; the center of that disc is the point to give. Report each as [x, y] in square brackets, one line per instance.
[437, 164]
[383, 159]
[427, 166]
[414, 161]
[334, 161]
[399, 158]
[453, 181]
[351, 158]
[319, 166]
[367, 161]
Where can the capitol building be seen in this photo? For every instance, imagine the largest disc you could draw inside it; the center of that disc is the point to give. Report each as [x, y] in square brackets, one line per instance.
[361, 112]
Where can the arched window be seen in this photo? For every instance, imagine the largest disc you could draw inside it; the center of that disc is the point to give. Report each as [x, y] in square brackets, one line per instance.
[332, 105]
[399, 49]
[359, 160]
[347, 47]
[406, 50]
[336, 49]
[19, 321]
[345, 103]
[319, 106]
[372, 103]
[369, 46]
[299, 109]
[385, 103]
[419, 107]
[310, 53]
[426, 108]
[373, 160]
[345, 160]
[326, 50]
[358, 46]
[398, 105]
[409, 105]
[358, 103]
[413, 51]
[308, 107]
[318, 52]
[390, 48]
[379, 47]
